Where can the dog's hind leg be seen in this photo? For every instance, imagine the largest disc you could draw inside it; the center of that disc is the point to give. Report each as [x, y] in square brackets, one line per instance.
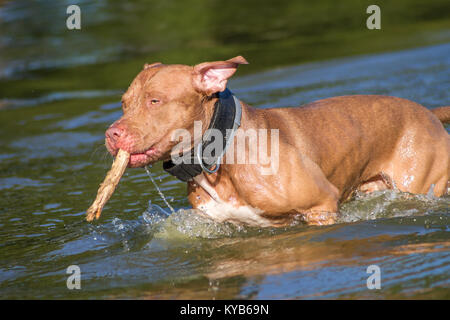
[378, 182]
[422, 163]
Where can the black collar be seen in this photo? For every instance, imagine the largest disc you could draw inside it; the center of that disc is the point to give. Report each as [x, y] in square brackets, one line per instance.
[227, 115]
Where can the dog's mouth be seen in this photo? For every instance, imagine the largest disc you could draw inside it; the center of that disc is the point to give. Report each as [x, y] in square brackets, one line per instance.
[141, 159]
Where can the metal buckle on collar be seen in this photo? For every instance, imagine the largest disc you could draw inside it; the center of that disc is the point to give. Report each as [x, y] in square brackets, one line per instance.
[200, 161]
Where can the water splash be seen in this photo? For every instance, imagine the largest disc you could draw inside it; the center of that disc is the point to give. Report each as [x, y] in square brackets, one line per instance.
[188, 224]
[430, 193]
[391, 204]
[157, 188]
[183, 223]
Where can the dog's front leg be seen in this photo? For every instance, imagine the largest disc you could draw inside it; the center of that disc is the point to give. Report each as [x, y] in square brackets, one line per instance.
[319, 218]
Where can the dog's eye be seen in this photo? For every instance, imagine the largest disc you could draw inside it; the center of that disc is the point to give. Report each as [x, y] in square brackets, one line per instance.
[154, 101]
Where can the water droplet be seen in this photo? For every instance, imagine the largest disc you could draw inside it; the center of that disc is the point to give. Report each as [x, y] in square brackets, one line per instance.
[430, 193]
[158, 189]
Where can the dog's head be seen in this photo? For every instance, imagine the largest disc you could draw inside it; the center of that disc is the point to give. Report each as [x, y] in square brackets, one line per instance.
[162, 99]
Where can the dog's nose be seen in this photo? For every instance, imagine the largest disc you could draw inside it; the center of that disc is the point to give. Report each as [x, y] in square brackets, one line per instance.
[114, 133]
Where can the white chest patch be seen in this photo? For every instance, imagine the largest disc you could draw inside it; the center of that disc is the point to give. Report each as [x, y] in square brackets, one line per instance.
[226, 212]
[221, 211]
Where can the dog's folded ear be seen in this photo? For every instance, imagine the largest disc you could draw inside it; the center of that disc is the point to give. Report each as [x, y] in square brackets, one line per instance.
[212, 77]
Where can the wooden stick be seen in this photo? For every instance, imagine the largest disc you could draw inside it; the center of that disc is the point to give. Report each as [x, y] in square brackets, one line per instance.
[108, 186]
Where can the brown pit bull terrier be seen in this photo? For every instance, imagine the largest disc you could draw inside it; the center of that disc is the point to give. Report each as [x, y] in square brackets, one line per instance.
[328, 149]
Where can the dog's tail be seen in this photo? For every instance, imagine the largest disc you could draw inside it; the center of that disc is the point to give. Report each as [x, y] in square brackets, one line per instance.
[443, 114]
